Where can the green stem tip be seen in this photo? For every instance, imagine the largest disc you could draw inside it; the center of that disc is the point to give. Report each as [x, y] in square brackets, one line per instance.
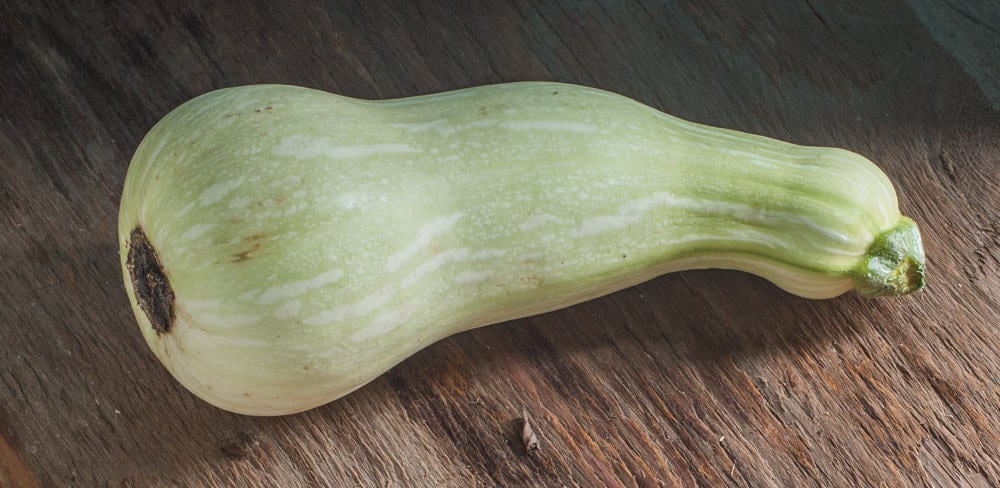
[894, 263]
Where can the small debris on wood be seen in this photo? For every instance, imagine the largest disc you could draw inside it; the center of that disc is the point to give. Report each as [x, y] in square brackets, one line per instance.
[241, 447]
[528, 437]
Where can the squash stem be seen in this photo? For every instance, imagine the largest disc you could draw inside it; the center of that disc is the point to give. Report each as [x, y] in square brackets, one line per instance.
[894, 263]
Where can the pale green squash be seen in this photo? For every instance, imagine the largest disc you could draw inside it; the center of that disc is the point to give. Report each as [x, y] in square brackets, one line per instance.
[290, 245]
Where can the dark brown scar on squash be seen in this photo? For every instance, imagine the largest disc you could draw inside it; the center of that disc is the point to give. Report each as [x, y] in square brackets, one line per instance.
[246, 255]
[256, 239]
[149, 282]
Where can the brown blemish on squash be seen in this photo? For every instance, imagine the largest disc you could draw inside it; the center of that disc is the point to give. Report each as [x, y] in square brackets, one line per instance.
[531, 281]
[256, 243]
[249, 253]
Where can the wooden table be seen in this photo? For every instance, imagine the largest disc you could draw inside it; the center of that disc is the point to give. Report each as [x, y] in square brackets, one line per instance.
[707, 378]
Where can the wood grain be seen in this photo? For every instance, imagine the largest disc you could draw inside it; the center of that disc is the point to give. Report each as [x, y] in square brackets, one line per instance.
[707, 378]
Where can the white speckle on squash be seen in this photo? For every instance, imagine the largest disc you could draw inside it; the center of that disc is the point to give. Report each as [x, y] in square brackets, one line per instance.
[219, 190]
[472, 277]
[628, 214]
[195, 231]
[432, 264]
[301, 146]
[187, 208]
[382, 324]
[289, 309]
[239, 202]
[538, 220]
[360, 308]
[295, 288]
[226, 320]
[488, 254]
[425, 234]
[551, 125]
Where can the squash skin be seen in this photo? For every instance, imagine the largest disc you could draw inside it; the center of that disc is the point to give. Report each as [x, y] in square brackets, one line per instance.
[312, 241]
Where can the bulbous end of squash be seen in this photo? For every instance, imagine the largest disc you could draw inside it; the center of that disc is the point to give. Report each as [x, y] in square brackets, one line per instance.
[894, 264]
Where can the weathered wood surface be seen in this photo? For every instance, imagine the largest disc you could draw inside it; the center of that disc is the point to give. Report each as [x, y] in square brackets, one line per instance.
[708, 378]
